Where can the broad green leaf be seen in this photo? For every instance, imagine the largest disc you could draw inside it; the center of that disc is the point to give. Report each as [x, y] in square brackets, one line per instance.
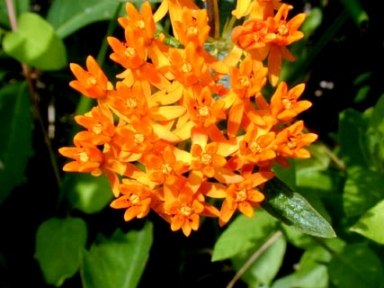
[243, 234]
[20, 7]
[356, 266]
[87, 193]
[370, 224]
[118, 261]
[59, 248]
[352, 138]
[69, 16]
[15, 134]
[266, 266]
[362, 190]
[35, 43]
[293, 209]
[296, 237]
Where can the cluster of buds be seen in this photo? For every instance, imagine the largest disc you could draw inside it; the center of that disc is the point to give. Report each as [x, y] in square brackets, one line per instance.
[185, 132]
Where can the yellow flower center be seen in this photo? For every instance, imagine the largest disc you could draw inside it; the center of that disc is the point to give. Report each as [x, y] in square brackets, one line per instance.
[292, 143]
[83, 156]
[131, 103]
[244, 81]
[187, 67]
[140, 24]
[91, 81]
[135, 199]
[139, 138]
[286, 103]
[192, 31]
[166, 168]
[282, 29]
[97, 128]
[241, 195]
[206, 158]
[255, 147]
[186, 210]
[130, 52]
[203, 111]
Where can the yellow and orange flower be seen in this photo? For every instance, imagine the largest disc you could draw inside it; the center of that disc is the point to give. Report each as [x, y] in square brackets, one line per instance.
[184, 125]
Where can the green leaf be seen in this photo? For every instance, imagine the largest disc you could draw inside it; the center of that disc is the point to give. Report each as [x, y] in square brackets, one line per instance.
[15, 134]
[69, 16]
[266, 266]
[243, 234]
[362, 190]
[35, 43]
[370, 224]
[352, 138]
[59, 247]
[375, 135]
[356, 266]
[293, 209]
[87, 193]
[118, 261]
[311, 269]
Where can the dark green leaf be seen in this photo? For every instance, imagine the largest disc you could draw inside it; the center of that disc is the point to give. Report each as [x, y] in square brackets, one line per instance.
[15, 134]
[244, 234]
[35, 43]
[352, 138]
[59, 247]
[87, 193]
[69, 16]
[293, 209]
[356, 266]
[356, 11]
[362, 190]
[118, 261]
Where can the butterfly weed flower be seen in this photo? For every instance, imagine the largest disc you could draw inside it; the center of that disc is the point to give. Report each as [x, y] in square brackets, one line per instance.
[185, 131]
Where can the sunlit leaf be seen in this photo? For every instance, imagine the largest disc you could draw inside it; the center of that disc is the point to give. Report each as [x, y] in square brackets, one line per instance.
[59, 248]
[267, 265]
[370, 224]
[294, 209]
[356, 266]
[118, 261]
[15, 134]
[243, 234]
[35, 43]
[87, 193]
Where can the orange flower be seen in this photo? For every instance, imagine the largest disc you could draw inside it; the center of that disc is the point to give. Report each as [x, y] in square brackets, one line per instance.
[284, 103]
[291, 141]
[136, 199]
[87, 159]
[91, 82]
[243, 196]
[99, 125]
[166, 164]
[257, 146]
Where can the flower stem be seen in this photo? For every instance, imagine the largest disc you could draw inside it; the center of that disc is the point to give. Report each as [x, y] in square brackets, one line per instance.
[32, 93]
[254, 257]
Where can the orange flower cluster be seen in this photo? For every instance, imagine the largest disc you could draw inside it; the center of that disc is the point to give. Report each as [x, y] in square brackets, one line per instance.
[184, 132]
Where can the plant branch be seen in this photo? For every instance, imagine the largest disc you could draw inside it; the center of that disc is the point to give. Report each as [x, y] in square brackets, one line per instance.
[32, 93]
[254, 257]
